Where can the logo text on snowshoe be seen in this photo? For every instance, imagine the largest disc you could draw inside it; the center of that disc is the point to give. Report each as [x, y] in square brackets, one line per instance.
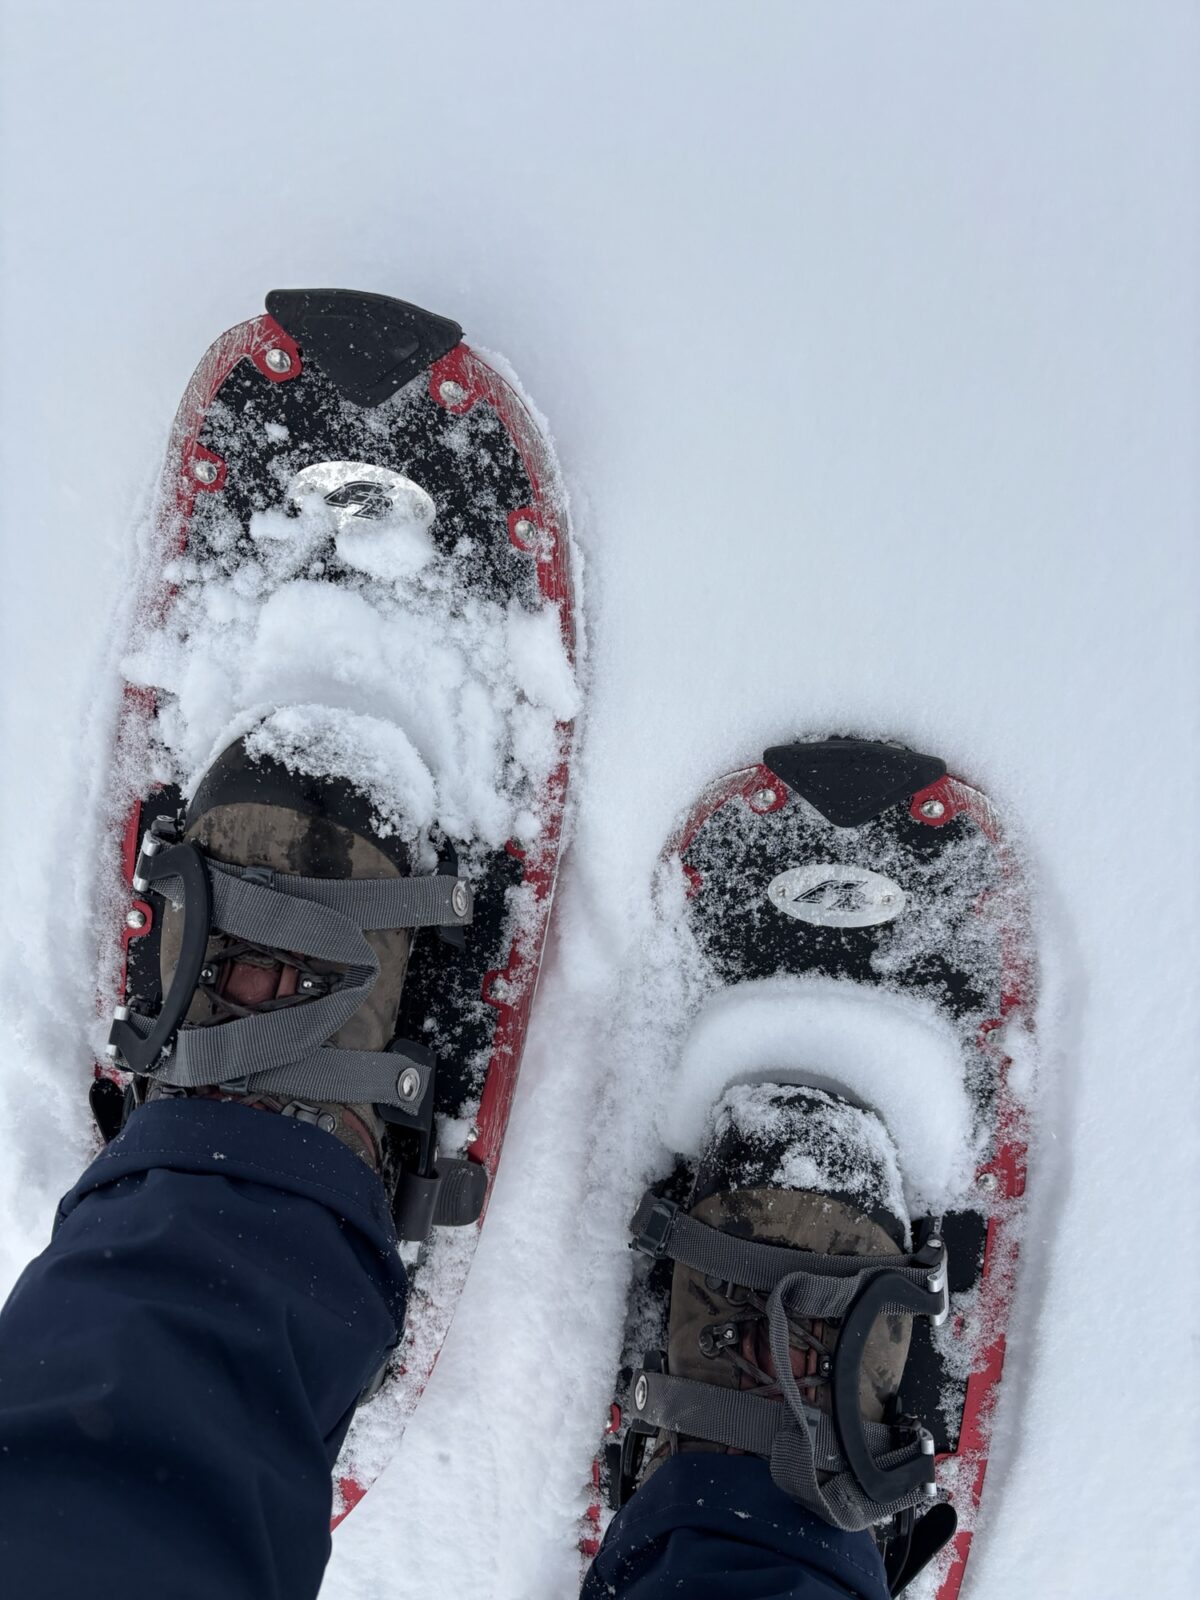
[363, 491]
[833, 895]
[362, 499]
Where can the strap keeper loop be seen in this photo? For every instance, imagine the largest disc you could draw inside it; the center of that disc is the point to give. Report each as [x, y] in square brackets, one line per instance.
[652, 1226]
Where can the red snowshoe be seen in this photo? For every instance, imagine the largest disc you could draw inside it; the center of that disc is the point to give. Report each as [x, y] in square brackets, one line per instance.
[347, 481]
[839, 877]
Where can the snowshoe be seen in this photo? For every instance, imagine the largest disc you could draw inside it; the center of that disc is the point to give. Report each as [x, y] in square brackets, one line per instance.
[854, 924]
[356, 585]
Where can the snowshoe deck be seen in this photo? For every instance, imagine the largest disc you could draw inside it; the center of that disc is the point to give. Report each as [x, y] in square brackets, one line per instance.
[865, 862]
[336, 377]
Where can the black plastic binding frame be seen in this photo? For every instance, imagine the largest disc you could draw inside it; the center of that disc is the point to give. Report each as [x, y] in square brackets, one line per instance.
[879, 1483]
[126, 1046]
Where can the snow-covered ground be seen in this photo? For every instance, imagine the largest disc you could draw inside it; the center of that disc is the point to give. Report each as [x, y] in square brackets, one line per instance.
[869, 339]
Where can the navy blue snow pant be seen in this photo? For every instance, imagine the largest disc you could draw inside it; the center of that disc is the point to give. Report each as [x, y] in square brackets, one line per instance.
[179, 1367]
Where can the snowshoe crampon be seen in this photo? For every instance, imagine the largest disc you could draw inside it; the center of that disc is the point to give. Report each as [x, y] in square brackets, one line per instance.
[346, 476]
[842, 908]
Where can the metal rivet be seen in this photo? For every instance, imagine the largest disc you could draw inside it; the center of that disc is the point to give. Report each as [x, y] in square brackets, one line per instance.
[278, 360]
[641, 1392]
[524, 530]
[135, 918]
[765, 798]
[474, 1133]
[327, 1122]
[932, 808]
[451, 393]
[408, 1084]
[120, 1013]
[986, 1181]
[934, 1242]
[460, 899]
[205, 471]
[208, 974]
[308, 983]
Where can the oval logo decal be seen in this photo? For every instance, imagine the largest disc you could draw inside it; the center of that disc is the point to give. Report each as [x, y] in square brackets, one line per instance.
[360, 490]
[833, 896]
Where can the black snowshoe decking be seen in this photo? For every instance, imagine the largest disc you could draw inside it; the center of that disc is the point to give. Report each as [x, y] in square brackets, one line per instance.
[864, 861]
[339, 376]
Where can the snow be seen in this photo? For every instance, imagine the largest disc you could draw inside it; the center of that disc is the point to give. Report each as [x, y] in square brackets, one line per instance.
[442, 704]
[333, 743]
[890, 1052]
[841, 1149]
[868, 338]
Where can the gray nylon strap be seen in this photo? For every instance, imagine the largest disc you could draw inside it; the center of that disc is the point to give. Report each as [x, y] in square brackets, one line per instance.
[737, 1418]
[358, 1076]
[811, 1294]
[837, 1499]
[328, 1073]
[370, 902]
[286, 1051]
[288, 922]
[822, 1285]
[794, 1465]
[275, 1038]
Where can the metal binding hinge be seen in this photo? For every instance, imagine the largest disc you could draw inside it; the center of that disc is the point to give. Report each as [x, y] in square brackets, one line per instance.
[161, 832]
[934, 1255]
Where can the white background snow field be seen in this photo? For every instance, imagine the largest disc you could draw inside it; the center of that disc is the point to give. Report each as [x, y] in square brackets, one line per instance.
[868, 336]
